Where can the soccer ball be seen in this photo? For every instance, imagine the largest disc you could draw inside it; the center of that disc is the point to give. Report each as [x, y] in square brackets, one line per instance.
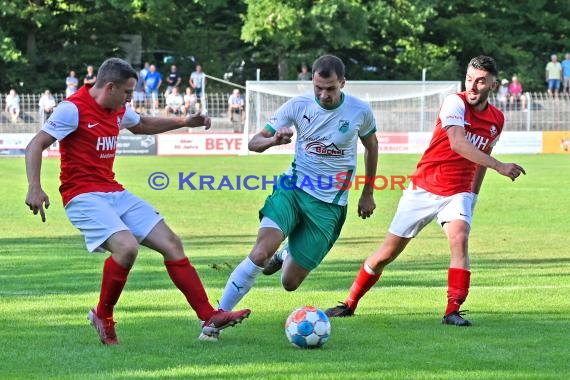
[307, 327]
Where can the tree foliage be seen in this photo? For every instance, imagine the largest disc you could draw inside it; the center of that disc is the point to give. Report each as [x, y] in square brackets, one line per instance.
[41, 40]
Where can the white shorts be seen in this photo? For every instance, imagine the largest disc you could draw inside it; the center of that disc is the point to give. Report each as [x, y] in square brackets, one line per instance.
[138, 96]
[268, 223]
[418, 207]
[99, 215]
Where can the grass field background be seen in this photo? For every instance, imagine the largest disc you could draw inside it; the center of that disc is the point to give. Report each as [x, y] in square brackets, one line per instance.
[519, 299]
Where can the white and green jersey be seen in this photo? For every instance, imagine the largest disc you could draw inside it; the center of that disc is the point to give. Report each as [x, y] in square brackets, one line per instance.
[326, 148]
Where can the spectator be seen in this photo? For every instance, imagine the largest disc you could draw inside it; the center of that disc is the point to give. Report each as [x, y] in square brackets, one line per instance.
[144, 70]
[174, 103]
[46, 104]
[304, 74]
[152, 82]
[503, 94]
[90, 77]
[566, 73]
[191, 104]
[236, 105]
[516, 94]
[198, 81]
[553, 75]
[71, 84]
[13, 105]
[172, 80]
[138, 93]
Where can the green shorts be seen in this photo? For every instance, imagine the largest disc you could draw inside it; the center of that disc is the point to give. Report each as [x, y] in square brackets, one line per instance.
[311, 225]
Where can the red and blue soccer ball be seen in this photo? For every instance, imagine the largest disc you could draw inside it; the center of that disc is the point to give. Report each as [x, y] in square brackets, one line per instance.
[308, 327]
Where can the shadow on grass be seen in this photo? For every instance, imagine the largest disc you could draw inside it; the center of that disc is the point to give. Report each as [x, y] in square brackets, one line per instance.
[61, 264]
[411, 346]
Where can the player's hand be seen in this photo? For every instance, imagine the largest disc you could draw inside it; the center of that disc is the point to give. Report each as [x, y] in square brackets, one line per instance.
[283, 136]
[511, 170]
[366, 205]
[197, 120]
[36, 200]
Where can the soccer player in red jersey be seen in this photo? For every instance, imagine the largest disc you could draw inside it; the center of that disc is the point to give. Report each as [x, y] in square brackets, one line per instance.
[87, 126]
[445, 186]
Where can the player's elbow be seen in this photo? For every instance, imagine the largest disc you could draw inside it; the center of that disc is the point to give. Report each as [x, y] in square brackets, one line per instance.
[39, 143]
[254, 146]
[30, 148]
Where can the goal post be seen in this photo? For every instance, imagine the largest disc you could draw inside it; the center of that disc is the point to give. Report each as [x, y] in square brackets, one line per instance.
[398, 106]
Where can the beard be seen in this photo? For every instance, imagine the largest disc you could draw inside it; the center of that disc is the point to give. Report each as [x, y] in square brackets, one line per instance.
[479, 99]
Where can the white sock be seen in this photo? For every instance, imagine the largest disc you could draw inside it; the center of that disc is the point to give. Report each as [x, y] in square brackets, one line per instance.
[240, 282]
[284, 252]
[368, 270]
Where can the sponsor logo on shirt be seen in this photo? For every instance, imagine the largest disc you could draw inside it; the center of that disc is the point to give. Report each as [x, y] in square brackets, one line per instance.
[480, 142]
[343, 126]
[106, 143]
[321, 149]
[493, 131]
[316, 138]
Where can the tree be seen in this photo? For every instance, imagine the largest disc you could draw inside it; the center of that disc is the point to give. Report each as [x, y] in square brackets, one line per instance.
[520, 36]
[376, 39]
[41, 40]
[275, 28]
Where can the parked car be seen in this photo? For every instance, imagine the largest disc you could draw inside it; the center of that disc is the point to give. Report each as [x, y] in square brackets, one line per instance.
[242, 69]
[163, 59]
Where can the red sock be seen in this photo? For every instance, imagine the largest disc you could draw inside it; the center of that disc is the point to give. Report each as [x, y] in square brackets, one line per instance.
[362, 284]
[185, 277]
[112, 284]
[457, 288]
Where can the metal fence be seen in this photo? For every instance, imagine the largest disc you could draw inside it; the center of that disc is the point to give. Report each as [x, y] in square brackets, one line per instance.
[31, 117]
[543, 113]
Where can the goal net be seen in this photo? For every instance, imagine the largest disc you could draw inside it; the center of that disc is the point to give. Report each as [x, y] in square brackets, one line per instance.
[398, 106]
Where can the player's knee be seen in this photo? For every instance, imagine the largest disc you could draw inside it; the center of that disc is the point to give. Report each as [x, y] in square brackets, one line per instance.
[260, 256]
[290, 285]
[174, 243]
[459, 238]
[126, 251]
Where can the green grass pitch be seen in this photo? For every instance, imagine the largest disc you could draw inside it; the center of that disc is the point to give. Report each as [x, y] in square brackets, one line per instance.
[519, 299]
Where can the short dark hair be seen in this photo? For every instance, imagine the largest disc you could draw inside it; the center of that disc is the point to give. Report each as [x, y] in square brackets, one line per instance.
[328, 64]
[115, 70]
[485, 63]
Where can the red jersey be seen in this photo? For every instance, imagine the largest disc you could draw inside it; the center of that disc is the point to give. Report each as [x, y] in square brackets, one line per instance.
[88, 136]
[441, 170]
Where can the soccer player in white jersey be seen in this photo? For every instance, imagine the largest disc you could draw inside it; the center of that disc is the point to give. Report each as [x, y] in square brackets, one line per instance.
[309, 203]
[445, 186]
[87, 126]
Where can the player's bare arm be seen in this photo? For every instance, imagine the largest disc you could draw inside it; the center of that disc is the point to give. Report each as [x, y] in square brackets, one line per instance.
[36, 198]
[479, 176]
[150, 125]
[459, 144]
[366, 204]
[266, 139]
